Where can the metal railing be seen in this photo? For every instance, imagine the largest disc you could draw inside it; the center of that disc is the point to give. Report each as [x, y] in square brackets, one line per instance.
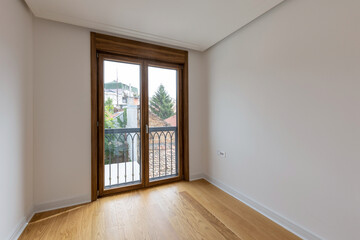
[123, 155]
[163, 143]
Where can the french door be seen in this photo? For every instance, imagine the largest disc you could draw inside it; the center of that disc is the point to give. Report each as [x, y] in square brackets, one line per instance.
[139, 123]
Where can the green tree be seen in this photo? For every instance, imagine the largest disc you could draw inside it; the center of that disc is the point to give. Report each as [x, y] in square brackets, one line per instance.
[110, 122]
[109, 111]
[161, 103]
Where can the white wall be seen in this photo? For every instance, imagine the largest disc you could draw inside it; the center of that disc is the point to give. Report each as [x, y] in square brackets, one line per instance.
[62, 114]
[284, 103]
[16, 120]
[197, 119]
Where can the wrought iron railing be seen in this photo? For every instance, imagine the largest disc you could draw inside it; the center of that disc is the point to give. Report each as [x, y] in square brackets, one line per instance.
[163, 145]
[123, 157]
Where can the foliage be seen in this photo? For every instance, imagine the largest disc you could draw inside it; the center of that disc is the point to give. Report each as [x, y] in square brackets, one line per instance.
[114, 148]
[161, 103]
[110, 122]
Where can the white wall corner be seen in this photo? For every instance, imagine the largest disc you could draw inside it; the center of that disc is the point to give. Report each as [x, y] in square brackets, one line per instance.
[275, 217]
[196, 176]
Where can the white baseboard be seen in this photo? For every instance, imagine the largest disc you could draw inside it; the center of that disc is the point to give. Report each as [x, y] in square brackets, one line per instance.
[282, 221]
[21, 226]
[47, 207]
[62, 203]
[196, 176]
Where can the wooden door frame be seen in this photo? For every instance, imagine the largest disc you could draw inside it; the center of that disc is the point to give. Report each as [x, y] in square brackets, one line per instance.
[101, 184]
[179, 68]
[106, 44]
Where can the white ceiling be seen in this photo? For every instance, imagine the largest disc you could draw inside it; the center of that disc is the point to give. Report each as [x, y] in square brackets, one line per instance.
[191, 24]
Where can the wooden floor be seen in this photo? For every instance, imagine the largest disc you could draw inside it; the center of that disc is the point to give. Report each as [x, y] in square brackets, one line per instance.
[183, 210]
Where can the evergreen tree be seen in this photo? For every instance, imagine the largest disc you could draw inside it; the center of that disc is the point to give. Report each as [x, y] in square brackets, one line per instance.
[161, 103]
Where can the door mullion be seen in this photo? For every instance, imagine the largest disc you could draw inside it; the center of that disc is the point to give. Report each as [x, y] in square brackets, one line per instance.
[145, 122]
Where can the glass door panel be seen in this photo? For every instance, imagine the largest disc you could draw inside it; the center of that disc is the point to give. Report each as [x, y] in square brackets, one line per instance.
[162, 122]
[122, 148]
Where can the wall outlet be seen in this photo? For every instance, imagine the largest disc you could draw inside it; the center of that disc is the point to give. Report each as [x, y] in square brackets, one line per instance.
[221, 153]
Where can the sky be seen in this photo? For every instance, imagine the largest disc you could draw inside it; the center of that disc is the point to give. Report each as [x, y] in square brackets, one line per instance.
[130, 74]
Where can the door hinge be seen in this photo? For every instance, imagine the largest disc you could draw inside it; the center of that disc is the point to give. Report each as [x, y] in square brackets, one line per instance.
[97, 124]
[98, 193]
[97, 55]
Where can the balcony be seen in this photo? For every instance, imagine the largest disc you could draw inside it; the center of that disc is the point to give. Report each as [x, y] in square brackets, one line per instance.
[123, 156]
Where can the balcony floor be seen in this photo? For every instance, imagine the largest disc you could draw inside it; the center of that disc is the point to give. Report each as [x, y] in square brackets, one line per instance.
[122, 169]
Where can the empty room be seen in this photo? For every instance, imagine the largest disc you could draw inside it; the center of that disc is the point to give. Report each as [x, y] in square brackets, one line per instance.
[204, 119]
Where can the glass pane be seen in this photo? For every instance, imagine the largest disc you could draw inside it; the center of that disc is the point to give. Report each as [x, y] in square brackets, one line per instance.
[162, 123]
[122, 155]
